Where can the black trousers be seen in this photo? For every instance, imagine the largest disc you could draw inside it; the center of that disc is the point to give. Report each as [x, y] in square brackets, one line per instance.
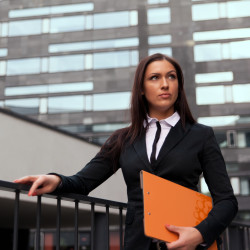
[158, 246]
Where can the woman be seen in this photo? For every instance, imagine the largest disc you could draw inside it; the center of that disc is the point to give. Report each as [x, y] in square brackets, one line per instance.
[183, 152]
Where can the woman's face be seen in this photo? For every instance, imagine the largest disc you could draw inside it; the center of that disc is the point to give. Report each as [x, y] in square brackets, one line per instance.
[160, 88]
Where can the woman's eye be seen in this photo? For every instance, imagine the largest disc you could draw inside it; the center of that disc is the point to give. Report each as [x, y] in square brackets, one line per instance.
[172, 77]
[153, 77]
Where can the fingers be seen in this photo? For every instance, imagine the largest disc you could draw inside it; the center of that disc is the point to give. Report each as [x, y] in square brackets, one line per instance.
[40, 184]
[26, 179]
[188, 238]
[34, 190]
[173, 228]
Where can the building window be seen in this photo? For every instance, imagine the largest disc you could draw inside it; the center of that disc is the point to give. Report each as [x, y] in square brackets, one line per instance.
[221, 34]
[66, 24]
[219, 121]
[243, 138]
[241, 93]
[3, 52]
[23, 66]
[221, 138]
[93, 45]
[66, 104]
[160, 39]
[50, 10]
[230, 9]
[24, 106]
[235, 181]
[231, 138]
[157, 1]
[82, 128]
[245, 186]
[214, 77]
[69, 103]
[222, 51]
[4, 29]
[210, 95]
[115, 19]
[66, 63]
[49, 89]
[165, 50]
[3, 66]
[237, 93]
[102, 102]
[117, 59]
[25, 27]
[159, 15]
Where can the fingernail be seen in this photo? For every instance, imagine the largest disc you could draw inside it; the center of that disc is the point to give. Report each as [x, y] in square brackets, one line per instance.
[167, 225]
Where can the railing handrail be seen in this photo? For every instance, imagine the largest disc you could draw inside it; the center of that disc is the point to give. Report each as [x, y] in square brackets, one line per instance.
[236, 236]
[23, 188]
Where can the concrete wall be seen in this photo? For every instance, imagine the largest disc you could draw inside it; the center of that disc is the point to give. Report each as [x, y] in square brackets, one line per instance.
[28, 148]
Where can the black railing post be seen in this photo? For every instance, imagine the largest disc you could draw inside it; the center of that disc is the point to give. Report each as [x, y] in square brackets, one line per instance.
[92, 225]
[16, 221]
[38, 223]
[58, 223]
[121, 228]
[76, 224]
[99, 224]
[107, 227]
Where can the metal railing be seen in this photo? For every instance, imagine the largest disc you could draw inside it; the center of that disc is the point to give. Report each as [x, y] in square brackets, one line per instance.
[235, 237]
[76, 199]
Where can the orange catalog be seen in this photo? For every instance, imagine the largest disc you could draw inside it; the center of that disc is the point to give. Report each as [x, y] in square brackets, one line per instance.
[166, 202]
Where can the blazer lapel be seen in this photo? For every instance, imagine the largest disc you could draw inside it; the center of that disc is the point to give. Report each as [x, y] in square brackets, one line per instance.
[140, 148]
[176, 133]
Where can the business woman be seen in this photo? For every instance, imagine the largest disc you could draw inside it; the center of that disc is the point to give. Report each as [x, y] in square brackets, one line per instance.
[165, 140]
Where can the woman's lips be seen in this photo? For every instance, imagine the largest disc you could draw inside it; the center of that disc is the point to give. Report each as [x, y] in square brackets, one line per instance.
[165, 95]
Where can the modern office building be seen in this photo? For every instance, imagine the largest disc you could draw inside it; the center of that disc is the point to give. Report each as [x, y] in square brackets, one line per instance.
[71, 64]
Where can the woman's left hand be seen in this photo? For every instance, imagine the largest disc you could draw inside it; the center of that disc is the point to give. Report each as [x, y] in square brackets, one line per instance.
[189, 238]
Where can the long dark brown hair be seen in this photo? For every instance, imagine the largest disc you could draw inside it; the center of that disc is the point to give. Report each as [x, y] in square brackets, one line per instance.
[139, 110]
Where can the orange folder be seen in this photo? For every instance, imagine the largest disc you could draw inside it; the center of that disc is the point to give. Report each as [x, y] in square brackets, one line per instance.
[166, 202]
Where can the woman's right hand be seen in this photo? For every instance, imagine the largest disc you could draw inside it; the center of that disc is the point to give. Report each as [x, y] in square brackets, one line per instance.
[40, 184]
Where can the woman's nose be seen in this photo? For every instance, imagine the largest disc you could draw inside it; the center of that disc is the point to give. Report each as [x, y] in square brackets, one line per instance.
[164, 83]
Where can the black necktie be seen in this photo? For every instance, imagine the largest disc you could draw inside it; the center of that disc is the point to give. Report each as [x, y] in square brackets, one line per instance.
[157, 136]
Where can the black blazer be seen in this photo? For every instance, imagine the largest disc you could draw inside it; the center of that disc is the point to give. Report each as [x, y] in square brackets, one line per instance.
[185, 155]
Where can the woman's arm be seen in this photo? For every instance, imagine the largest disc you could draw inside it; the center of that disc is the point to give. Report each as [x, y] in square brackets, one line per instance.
[92, 175]
[225, 205]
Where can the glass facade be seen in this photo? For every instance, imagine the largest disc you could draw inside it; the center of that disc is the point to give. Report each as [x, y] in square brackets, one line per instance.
[48, 89]
[237, 93]
[94, 45]
[159, 15]
[25, 27]
[115, 19]
[214, 77]
[66, 24]
[118, 59]
[60, 9]
[221, 34]
[23, 66]
[222, 51]
[3, 52]
[69, 23]
[229, 9]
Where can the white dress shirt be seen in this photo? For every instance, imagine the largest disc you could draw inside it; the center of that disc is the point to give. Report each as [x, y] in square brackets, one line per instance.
[166, 125]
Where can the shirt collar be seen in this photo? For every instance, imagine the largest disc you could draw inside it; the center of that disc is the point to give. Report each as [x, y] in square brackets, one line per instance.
[172, 120]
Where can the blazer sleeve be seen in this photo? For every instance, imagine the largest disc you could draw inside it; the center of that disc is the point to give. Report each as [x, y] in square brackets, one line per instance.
[225, 205]
[92, 175]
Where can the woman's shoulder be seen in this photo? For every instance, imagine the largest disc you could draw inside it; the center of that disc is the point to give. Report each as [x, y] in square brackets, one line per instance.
[201, 128]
